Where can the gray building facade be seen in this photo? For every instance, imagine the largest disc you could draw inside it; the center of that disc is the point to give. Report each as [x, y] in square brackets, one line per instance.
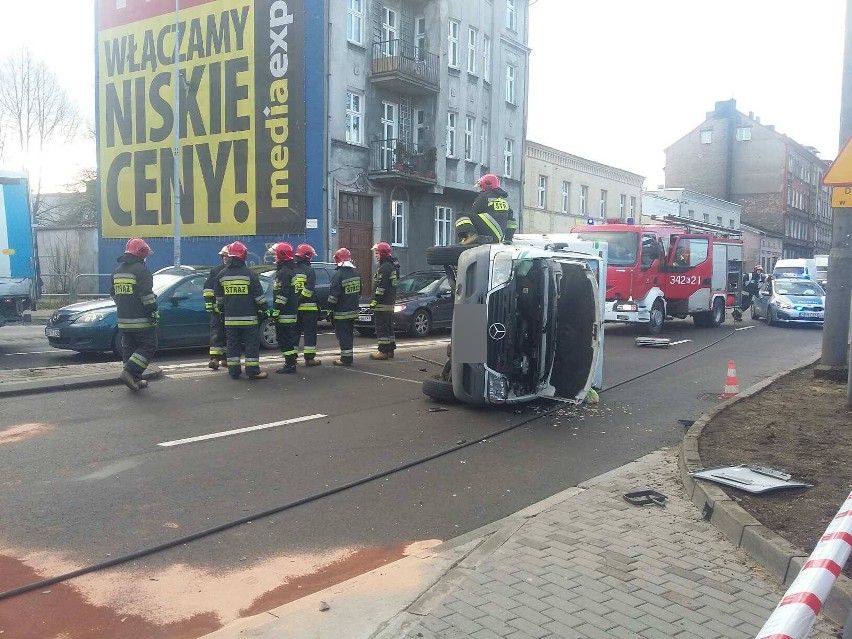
[732, 156]
[424, 97]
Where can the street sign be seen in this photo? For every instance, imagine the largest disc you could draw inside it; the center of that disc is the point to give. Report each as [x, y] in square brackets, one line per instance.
[840, 172]
[841, 197]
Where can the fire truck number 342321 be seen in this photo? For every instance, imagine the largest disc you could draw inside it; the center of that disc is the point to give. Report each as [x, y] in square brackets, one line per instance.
[683, 279]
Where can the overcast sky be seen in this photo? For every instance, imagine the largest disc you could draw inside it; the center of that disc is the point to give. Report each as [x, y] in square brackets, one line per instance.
[612, 80]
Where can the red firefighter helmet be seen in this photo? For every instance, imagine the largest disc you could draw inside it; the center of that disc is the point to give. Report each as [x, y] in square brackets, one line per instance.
[342, 255]
[238, 250]
[305, 252]
[138, 247]
[488, 181]
[283, 251]
[382, 249]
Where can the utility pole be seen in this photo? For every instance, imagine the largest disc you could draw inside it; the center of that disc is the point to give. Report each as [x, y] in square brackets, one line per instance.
[835, 338]
[176, 150]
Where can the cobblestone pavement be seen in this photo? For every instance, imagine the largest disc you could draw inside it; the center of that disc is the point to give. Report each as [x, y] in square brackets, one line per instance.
[595, 566]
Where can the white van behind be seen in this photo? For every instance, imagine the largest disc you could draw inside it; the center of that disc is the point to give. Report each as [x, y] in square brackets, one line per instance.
[822, 269]
[796, 268]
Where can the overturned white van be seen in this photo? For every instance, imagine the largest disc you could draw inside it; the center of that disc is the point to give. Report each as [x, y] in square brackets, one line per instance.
[527, 323]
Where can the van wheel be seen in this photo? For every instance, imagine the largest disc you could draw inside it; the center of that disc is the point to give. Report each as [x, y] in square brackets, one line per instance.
[439, 390]
[441, 255]
[658, 319]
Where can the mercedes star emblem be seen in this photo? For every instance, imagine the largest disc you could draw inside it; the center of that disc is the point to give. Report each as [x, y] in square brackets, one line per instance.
[497, 331]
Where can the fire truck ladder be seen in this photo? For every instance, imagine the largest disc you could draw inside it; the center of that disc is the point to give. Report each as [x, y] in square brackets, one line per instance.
[694, 226]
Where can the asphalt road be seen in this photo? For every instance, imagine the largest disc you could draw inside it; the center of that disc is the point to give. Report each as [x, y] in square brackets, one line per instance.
[95, 482]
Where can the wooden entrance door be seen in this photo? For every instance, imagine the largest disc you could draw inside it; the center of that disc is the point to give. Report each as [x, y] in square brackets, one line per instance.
[355, 232]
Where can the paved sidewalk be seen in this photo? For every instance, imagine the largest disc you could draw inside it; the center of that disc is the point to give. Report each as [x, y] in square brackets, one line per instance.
[582, 564]
[29, 381]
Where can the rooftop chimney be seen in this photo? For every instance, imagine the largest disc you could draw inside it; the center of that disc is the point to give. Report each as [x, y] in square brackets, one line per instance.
[751, 115]
[757, 119]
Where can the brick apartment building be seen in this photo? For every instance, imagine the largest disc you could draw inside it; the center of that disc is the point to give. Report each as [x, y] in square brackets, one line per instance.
[732, 156]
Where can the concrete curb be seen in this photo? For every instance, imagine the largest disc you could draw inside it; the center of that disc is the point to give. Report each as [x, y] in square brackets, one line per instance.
[35, 387]
[770, 550]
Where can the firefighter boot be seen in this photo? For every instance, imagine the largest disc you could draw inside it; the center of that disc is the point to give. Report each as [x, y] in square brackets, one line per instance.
[379, 355]
[259, 375]
[142, 383]
[342, 362]
[213, 364]
[223, 361]
[289, 366]
[128, 380]
[313, 362]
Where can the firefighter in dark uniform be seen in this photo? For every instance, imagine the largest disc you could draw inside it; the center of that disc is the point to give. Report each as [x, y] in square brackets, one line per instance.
[240, 298]
[285, 306]
[751, 284]
[217, 328]
[343, 297]
[384, 298]
[136, 308]
[490, 215]
[304, 281]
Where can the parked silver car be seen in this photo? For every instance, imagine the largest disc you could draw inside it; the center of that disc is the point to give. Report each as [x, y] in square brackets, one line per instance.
[790, 301]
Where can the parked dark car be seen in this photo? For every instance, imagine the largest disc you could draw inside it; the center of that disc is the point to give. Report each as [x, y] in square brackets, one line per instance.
[91, 326]
[424, 302]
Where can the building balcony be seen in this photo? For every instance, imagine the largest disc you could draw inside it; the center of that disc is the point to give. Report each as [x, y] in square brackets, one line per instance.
[400, 161]
[404, 68]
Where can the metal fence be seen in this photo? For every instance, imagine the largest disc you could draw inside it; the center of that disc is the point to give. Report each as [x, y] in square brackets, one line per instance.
[71, 285]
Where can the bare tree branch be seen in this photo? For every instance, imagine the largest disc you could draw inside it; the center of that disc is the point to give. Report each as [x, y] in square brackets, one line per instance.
[36, 108]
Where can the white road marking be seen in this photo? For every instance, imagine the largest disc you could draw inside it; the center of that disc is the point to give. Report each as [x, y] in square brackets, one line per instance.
[401, 379]
[32, 353]
[112, 469]
[683, 341]
[744, 328]
[238, 431]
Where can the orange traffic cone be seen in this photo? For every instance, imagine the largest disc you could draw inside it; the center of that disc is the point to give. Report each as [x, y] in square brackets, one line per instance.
[732, 384]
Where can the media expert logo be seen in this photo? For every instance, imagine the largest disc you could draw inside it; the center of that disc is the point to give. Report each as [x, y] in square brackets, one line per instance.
[241, 114]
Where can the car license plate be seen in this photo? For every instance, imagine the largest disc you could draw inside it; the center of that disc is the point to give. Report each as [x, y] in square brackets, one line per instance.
[809, 314]
[52, 332]
[365, 318]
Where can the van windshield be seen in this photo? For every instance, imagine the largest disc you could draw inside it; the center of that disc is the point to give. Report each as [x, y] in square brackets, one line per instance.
[622, 246]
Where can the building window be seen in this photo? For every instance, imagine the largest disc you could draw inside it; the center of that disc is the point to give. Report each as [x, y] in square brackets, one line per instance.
[471, 50]
[707, 217]
[622, 206]
[443, 226]
[451, 134]
[743, 133]
[354, 21]
[469, 124]
[707, 136]
[420, 129]
[633, 207]
[731, 223]
[354, 116]
[602, 208]
[542, 192]
[486, 58]
[584, 198]
[420, 39]
[398, 223]
[719, 220]
[484, 157]
[453, 40]
[508, 158]
[691, 214]
[510, 84]
[566, 196]
[510, 15]
[390, 31]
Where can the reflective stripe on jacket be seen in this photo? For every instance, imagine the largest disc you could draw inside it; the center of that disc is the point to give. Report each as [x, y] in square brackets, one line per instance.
[386, 277]
[304, 281]
[239, 294]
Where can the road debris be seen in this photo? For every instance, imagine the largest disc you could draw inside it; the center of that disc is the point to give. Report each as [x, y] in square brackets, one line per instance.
[752, 479]
[438, 409]
[646, 497]
[324, 606]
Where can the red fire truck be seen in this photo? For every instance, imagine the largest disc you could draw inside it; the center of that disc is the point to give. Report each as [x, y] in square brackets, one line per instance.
[675, 268]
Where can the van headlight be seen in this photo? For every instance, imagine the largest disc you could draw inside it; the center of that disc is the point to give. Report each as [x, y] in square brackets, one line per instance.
[501, 269]
[498, 388]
